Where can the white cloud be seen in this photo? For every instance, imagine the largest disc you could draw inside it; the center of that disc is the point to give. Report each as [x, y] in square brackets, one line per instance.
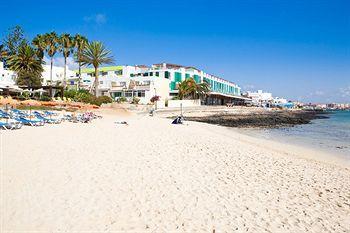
[248, 87]
[317, 93]
[97, 18]
[59, 61]
[345, 91]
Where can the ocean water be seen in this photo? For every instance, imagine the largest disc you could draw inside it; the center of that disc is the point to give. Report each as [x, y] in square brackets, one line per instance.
[331, 135]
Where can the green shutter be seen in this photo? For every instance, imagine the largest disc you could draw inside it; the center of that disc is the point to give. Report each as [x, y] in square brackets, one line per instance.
[178, 77]
[172, 86]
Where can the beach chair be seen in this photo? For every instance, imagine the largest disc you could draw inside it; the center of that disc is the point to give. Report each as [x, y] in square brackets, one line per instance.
[25, 121]
[46, 120]
[4, 125]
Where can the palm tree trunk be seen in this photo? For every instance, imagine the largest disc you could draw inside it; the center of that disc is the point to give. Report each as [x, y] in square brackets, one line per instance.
[96, 80]
[64, 73]
[51, 77]
[51, 71]
[79, 78]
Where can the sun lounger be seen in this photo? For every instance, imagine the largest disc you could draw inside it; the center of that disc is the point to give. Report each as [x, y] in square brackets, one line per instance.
[4, 125]
[10, 125]
[46, 120]
[29, 122]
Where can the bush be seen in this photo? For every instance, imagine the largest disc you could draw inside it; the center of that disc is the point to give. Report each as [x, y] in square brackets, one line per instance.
[135, 100]
[122, 99]
[45, 98]
[86, 97]
[104, 99]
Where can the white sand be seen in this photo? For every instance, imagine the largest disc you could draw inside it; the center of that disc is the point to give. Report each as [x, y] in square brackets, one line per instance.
[152, 176]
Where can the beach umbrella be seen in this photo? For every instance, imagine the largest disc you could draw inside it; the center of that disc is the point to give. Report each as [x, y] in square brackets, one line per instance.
[31, 103]
[40, 91]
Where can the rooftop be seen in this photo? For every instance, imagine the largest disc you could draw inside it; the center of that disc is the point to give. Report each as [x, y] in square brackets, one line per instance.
[103, 69]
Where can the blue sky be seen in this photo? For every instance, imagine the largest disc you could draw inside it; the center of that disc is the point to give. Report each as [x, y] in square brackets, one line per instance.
[298, 49]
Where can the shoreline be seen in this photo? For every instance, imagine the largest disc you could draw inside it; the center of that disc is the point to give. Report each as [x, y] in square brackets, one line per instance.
[311, 154]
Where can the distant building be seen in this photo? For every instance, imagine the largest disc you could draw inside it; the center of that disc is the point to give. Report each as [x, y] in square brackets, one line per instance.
[260, 98]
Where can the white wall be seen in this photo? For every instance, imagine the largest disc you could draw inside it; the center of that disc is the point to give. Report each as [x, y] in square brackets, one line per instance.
[7, 77]
[185, 103]
[57, 74]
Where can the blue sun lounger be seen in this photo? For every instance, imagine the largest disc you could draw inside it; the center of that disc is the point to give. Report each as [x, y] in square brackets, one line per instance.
[46, 120]
[29, 122]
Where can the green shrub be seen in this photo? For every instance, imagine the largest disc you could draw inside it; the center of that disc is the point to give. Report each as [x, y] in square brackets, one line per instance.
[122, 99]
[86, 97]
[45, 98]
[104, 99]
[135, 100]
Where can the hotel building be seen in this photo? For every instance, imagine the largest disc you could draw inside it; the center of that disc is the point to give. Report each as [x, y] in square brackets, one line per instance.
[159, 79]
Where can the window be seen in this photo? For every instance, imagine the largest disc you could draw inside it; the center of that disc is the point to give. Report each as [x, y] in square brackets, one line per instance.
[123, 84]
[157, 74]
[117, 94]
[145, 74]
[118, 72]
[167, 74]
[151, 74]
[140, 94]
[172, 86]
[128, 94]
[177, 77]
[103, 73]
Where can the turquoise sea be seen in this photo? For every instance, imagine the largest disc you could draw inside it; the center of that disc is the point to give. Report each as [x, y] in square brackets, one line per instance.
[330, 135]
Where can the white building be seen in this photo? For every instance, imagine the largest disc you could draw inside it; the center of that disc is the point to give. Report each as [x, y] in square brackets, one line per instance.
[7, 77]
[57, 74]
[159, 79]
[260, 98]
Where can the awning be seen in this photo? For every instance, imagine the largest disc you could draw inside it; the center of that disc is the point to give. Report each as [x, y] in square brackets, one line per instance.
[230, 96]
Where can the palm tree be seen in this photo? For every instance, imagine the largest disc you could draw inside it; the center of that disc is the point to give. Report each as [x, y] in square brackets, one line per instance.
[51, 42]
[80, 44]
[3, 53]
[66, 42]
[27, 64]
[39, 43]
[96, 54]
[190, 89]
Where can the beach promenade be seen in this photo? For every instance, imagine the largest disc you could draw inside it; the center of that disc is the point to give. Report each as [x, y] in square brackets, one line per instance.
[152, 176]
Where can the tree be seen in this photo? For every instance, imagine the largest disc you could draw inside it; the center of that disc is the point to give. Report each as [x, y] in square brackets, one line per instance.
[51, 47]
[80, 44]
[27, 64]
[190, 89]
[14, 40]
[3, 53]
[95, 54]
[66, 43]
[40, 44]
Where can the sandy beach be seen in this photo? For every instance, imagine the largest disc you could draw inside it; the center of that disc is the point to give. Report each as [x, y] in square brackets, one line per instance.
[152, 176]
